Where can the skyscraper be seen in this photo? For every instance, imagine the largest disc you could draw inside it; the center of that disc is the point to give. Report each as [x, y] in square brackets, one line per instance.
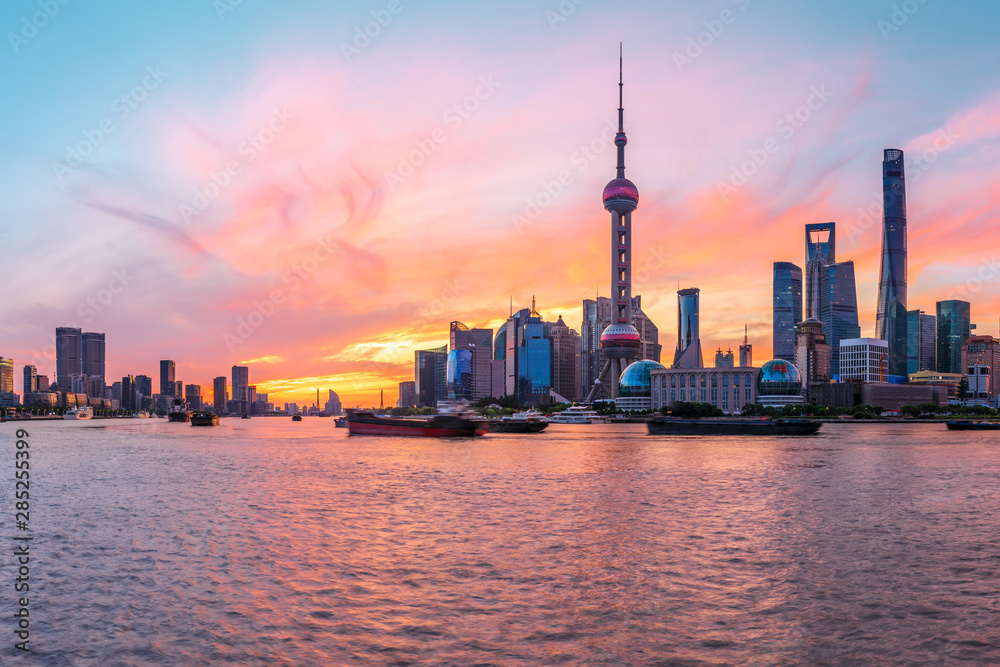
[144, 389]
[620, 341]
[534, 361]
[69, 355]
[688, 353]
[128, 400]
[953, 329]
[890, 316]
[597, 316]
[459, 369]
[192, 396]
[921, 331]
[6, 376]
[565, 360]
[787, 309]
[430, 373]
[840, 310]
[821, 249]
[220, 394]
[167, 369]
[746, 349]
[241, 389]
[479, 343]
[30, 379]
[92, 353]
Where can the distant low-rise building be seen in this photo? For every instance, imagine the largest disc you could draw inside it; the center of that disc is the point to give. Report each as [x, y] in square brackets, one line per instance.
[728, 389]
[952, 382]
[981, 365]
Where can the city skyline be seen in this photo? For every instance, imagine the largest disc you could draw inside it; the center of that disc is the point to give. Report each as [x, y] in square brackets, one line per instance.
[352, 323]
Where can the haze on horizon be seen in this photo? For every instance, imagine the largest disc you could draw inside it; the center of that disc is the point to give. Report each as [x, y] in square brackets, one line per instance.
[360, 192]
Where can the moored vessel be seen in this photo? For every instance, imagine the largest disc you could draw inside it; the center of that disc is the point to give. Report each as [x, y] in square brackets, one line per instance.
[204, 419]
[577, 414]
[363, 422]
[296, 418]
[340, 422]
[973, 426]
[669, 426]
[530, 421]
[81, 412]
[179, 416]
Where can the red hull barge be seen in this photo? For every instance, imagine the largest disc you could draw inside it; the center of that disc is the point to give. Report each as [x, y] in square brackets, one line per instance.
[441, 426]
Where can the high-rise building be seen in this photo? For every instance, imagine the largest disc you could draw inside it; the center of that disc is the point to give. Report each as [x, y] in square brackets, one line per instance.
[128, 400]
[479, 343]
[241, 389]
[620, 341]
[459, 370]
[430, 375]
[92, 353]
[821, 250]
[178, 389]
[688, 353]
[812, 358]
[43, 383]
[954, 327]
[565, 360]
[6, 376]
[116, 393]
[981, 364]
[787, 309]
[863, 360]
[921, 331]
[890, 316]
[513, 330]
[407, 394]
[534, 361]
[69, 355]
[144, 389]
[167, 370]
[332, 406]
[192, 396]
[746, 349]
[597, 316]
[220, 394]
[30, 379]
[840, 310]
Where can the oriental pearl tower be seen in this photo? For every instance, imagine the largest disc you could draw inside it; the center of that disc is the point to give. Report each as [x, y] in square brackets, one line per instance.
[620, 342]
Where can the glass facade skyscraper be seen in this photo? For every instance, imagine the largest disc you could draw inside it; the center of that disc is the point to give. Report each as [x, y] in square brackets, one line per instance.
[787, 309]
[953, 329]
[821, 249]
[921, 331]
[92, 353]
[167, 369]
[839, 310]
[69, 355]
[890, 316]
[430, 375]
[688, 352]
[459, 369]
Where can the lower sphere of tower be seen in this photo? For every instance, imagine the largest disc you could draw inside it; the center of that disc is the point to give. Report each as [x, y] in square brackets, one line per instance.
[620, 341]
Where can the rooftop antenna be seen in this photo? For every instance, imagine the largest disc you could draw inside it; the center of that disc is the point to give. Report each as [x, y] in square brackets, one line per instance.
[745, 331]
[512, 305]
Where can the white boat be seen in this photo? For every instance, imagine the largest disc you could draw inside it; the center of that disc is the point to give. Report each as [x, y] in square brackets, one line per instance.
[82, 412]
[577, 414]
[527, 415]
[141, 415]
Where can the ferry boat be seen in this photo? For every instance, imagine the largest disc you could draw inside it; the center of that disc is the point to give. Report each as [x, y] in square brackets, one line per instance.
[141, 415]
[81, 412]
[530, 421]
[670, 426]
[577, 414]
[340, 422]
[973, 426]
[451, 424]
[204, 419]
[296, 418]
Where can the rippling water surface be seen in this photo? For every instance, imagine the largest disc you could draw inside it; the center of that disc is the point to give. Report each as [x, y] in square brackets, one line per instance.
[267, 541]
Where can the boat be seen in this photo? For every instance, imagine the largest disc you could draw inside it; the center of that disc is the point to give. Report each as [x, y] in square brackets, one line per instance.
[450, 425]
[244, 416]
[340, 422]
[141, 415]
[577, 414]
[973, 426]
[296, 418]
[81, 412]
[179, 416]
[530, 421]
[670, 426]
[204, 419]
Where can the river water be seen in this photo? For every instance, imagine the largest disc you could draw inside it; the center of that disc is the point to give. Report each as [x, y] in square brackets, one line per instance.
[271, 542]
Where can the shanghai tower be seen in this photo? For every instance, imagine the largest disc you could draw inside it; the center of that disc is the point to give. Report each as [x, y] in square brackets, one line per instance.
[620, 341]
[890, 318]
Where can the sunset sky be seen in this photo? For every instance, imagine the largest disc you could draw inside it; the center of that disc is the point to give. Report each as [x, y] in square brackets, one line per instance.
[264, 183]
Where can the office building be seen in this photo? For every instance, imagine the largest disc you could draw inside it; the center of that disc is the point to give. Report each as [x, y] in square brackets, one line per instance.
[724, 359]
[787, 313]
[192, 396]
[864, 360]
[566, 364]
[241, 390]
[840, 310]
[981, 364]
[812, 358]
[69, 355]
[892, 271]
[220, 394]
[128, 394]
[144, 390]
[821, 251]
[430, 373]
[333, 406]
[407, 394]
[534, 360]
[92, 353]
[688, 352]
[459, 370]
[167, 371]
[6, 376]
[954, 326]
[951, 382]
[921, 331]
[746, 349]
[30, 379]
[479, 343]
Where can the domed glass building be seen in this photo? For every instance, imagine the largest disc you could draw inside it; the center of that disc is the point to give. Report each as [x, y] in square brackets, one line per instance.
[779, 384]
[634, 388]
